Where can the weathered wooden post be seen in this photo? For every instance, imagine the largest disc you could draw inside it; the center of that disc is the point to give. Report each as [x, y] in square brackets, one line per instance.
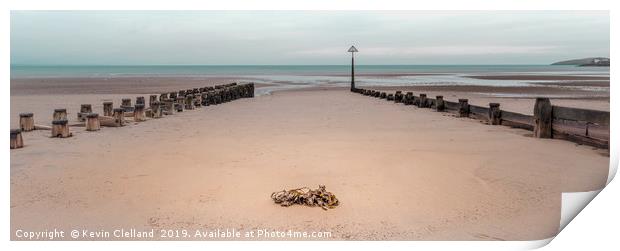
[168, 107]
[408, 98]
[156, 110]
[398, 97]
[495, 114]
[251, 90]
[163, 96]
[189, 102]
[197, 99]
[463, 107]
[26, 121]
[60, 114]
[439, 104]
[119, 116]
[383, 95]
[107, 108]
[390, 97]
[125, 102]
[205, 99]
[152, 98]
[423, 102]
[126, 105]
[140, 100]
[179, 103]
[543, 118]
[16, 139]
[60, 129]
[84, 109]
[92, 122]
[218, 96]
[138, 113]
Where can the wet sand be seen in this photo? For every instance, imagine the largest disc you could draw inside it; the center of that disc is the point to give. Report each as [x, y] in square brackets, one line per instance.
[539, 77]
[400, 173]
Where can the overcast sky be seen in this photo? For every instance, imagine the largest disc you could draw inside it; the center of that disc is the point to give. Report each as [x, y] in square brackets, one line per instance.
[246, 38]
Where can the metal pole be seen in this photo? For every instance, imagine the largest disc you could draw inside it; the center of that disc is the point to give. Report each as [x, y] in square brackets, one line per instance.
[352, 72]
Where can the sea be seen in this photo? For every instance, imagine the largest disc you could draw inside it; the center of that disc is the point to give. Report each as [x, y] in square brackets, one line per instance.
[294, 76]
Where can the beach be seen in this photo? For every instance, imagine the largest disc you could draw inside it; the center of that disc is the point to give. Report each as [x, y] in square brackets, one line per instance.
[399, 172]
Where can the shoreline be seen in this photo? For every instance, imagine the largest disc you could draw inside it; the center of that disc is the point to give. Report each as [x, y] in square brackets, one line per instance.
[41, 96]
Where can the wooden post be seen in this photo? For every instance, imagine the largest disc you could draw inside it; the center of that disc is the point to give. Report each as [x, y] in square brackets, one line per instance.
[16, 139]
[439, 104]
[60, 129]
[495, 114]
[218, 96]
[251, 90]
[107, 108]
[398, 97]
[390, 97]
[463, 107]
[26, 121]
[152, 98]
[543, 118]
[126, 102]
[138, 113]
[156, 110]
[189, 102]
[197, 99]
[140, 100]
[179, 103]
[119, 116]
[408, 100]
[60, 114]
[383, 95]
[204, 99]
[173, 95]
[126, 105]
[163, 96]
[423, 102]
[84, 109]
[168, 107]
[92, 122]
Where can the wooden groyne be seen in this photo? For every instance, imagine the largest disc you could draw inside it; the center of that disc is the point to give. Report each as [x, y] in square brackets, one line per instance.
[168, 104]
[583, 126]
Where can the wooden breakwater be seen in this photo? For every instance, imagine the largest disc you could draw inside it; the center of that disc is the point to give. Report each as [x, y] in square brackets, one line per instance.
[167, 103]
[583, 126]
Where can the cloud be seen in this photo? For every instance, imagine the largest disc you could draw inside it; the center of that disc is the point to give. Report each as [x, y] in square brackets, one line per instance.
[451, 50]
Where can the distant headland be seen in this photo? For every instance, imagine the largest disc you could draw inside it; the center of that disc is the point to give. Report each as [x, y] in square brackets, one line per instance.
[599, 61]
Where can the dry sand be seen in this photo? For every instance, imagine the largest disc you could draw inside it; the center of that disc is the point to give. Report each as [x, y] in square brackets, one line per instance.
[401, 173]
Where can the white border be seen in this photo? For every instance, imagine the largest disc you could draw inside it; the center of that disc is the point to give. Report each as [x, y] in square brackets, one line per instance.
[585, 236]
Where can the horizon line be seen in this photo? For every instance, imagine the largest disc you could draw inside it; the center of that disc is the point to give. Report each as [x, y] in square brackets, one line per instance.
[503, 64]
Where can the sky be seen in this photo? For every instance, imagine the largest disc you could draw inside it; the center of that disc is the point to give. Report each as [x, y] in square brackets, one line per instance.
[305, 37]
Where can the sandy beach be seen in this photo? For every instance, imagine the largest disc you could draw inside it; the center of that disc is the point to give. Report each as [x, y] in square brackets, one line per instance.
[400, 173]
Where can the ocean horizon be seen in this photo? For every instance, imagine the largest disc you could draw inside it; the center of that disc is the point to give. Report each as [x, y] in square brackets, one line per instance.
[27, 71]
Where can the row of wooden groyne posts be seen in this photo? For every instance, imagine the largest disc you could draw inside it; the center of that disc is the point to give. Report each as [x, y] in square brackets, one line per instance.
[583, 126]
[167, 103]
